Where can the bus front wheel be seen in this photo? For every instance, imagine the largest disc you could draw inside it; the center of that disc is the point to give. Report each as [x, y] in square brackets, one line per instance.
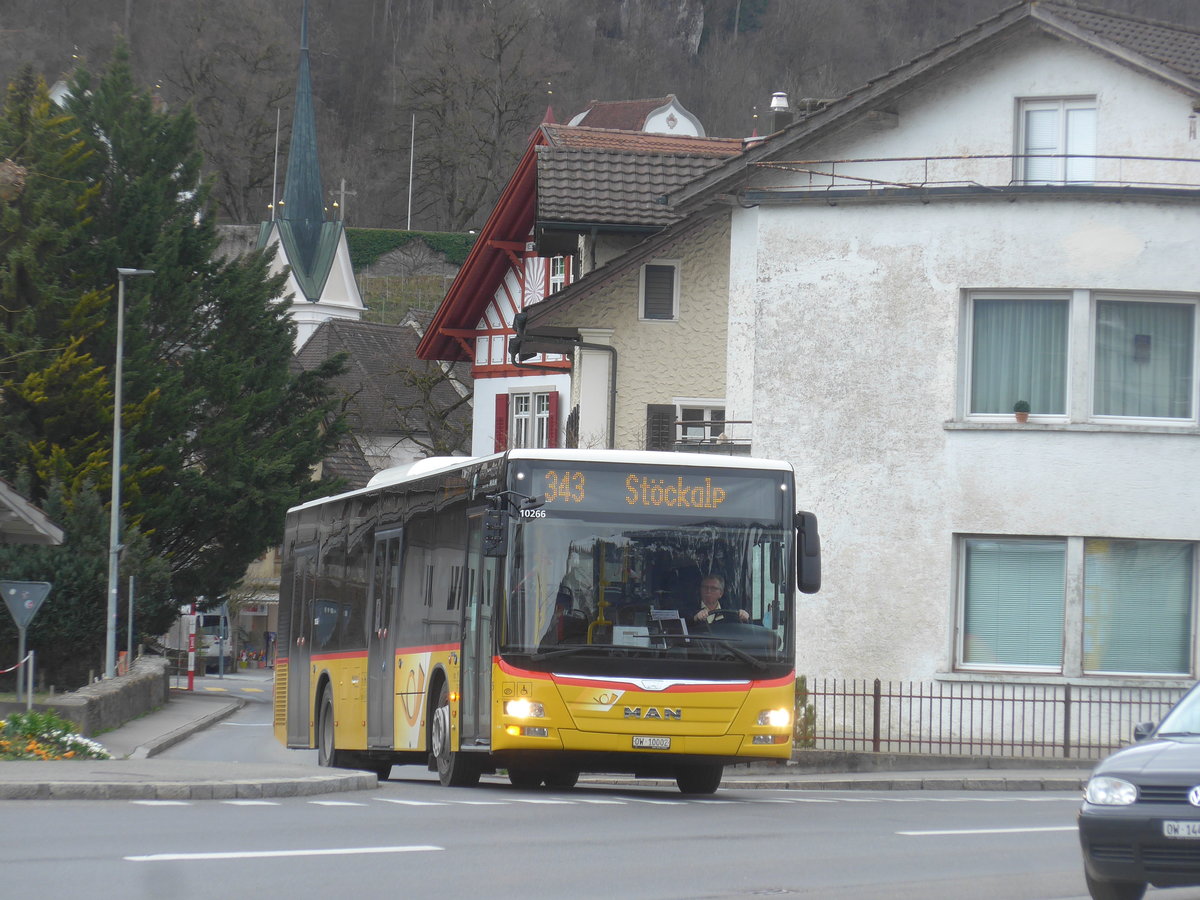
[326, 754]
[699, 779]
[454, 769]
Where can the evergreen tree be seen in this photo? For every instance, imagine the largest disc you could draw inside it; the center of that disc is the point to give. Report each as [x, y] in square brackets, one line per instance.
[219, 436]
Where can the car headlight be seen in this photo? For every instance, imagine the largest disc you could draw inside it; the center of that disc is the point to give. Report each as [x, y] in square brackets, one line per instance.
[1104, 790]
[524, 709]
[776, 718]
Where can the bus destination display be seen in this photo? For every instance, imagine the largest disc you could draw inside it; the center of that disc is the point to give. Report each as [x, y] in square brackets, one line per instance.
[711, 493]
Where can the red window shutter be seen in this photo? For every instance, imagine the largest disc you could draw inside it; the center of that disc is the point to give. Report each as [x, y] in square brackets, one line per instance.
[552, 420]
[501, 422]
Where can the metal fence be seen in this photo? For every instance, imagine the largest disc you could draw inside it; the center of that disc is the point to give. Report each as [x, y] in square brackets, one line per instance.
[981, 719]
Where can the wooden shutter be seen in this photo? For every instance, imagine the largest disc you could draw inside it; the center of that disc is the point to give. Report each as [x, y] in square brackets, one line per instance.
[552, 419]
[501, 431]
[658, 292]
[660, 426]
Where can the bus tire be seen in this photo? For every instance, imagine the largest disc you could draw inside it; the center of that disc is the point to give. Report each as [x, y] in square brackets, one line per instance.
[454, 769]
[561, 780]
[704, 778]
[326, 754]
[526, 779]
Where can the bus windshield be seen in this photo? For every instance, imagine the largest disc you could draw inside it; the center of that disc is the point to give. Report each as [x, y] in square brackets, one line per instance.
[587, 588]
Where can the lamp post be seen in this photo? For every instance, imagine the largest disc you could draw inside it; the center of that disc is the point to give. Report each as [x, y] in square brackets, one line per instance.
[114, 525]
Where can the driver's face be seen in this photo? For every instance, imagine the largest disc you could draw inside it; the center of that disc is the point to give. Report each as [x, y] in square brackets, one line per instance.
[710, 593]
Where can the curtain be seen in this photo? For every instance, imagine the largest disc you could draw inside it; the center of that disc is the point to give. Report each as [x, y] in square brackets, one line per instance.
[1144, 359]
[1013, 612]
[1137, 607]
[1019, 352]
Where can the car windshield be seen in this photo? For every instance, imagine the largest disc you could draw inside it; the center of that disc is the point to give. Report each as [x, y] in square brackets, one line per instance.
[1184, 717]
[592, 588]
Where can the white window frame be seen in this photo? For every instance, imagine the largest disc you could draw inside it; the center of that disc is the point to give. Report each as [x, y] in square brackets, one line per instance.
[669, 263]
[557, 268]
[1061, 105]
[1074, 601]
[706, 405]
[1081, 357]
[533, 424]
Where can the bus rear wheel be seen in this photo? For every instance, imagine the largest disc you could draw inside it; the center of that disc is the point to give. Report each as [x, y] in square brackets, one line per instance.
[326, 754]
[454, 769]
[699, 779]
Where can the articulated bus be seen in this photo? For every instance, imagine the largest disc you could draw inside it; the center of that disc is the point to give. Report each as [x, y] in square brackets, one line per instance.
[535, 611]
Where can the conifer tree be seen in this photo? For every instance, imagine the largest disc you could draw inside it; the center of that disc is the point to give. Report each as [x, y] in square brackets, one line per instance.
[219, 436]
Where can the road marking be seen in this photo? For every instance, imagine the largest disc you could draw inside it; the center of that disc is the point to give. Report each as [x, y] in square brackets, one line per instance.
[657, 802]
[162, 802]
[988, 831]
[336, 803]
[267, 854]
[543, 802]
[412, 802]
[475, 802]
[599, 802]
[251, 802]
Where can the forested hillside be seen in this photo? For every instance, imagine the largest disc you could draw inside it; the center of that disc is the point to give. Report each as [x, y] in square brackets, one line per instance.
[477, 75]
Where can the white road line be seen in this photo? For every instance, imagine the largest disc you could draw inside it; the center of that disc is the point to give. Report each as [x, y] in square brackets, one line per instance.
[251, 802]
[266, 854]
[335, 803]
[162, 802]
[542, 802]
[600, 802]
[412, 802]
[472, 802]
[657, 802]
[988, 831]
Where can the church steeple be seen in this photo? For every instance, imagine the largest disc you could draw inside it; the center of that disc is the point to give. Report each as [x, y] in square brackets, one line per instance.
[303, 199]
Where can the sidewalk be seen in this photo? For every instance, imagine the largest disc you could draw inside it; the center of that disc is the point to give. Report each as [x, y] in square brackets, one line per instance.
[134, 773]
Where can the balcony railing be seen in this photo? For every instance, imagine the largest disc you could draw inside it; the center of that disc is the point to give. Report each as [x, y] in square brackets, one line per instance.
[983, 171]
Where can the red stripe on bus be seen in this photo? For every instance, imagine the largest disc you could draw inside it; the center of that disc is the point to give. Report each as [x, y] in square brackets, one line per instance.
[509, 669]
[345, 654]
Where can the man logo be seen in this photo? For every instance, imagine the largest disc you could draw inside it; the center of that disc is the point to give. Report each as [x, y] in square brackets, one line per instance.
[635, 712]
[1194, 796]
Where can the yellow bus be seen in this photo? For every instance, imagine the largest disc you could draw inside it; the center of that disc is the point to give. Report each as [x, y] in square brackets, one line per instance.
[539, 612]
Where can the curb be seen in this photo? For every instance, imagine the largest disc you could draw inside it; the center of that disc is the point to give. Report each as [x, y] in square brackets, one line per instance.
[926, 783]
[171, 738]
[168, 790]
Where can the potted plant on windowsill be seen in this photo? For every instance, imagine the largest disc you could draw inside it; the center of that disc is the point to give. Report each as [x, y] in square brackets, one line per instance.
[1021, 410]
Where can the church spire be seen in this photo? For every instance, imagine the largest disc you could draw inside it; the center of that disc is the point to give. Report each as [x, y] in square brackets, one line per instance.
[303, 199]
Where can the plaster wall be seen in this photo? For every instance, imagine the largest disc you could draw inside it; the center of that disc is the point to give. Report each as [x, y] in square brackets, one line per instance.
[483, 424]
[853, 313]
[659, 361]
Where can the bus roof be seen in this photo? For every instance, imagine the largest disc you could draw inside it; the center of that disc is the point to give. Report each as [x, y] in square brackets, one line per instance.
[422, 468]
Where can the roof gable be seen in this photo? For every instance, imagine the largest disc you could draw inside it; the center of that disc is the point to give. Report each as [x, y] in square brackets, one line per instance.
[1127, 39]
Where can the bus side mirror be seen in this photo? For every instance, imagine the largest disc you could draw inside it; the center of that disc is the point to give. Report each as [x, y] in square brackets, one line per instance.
[495, 532]
[808, 553]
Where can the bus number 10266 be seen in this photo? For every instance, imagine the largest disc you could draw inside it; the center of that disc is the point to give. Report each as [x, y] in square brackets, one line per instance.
[565, 486]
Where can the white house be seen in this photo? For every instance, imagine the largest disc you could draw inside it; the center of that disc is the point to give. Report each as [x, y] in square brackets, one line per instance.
[1009, 217]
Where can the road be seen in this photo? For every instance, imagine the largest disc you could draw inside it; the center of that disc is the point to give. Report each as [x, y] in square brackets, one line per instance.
[414, 838]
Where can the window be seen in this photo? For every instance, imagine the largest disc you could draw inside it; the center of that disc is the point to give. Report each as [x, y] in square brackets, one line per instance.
[533, 419]
[558, 273]
[1144, 359]
[1139, 353]
[1132, 599]
[700, 423]
[660, 291]
[1057, 142]
[1019, 352]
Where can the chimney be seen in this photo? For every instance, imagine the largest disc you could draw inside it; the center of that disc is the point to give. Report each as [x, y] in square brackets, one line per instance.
[781, 112]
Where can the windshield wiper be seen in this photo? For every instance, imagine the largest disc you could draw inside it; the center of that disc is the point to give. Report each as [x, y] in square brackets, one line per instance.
[1177, 734]
[569, 651]
[736, 651]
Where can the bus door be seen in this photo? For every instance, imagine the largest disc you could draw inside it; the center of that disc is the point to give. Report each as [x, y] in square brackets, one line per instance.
[475, 718]
[381, 641]
[299, 706]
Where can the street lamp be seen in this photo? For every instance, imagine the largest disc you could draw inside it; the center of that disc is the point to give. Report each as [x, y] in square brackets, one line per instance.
[114, 525]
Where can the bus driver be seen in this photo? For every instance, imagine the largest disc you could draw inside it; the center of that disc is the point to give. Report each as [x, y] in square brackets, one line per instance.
[712, 589]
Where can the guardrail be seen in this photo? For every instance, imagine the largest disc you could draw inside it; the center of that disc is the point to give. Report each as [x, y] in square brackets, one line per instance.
[1068, 721]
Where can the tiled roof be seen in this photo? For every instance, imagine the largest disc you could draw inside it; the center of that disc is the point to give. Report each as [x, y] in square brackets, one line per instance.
[348, 462]
[627, 115]
[373, 384]
[579, 137]
[605, 177]
[1171, 45]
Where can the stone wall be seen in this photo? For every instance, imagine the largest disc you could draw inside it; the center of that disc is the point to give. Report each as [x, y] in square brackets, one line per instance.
[106, 705]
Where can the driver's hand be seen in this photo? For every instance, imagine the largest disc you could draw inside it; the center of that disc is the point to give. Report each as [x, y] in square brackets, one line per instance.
[702, 616]
[743, 615]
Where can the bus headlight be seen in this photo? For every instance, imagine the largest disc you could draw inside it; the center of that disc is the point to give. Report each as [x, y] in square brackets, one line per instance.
[776, 718]
[524, 709]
